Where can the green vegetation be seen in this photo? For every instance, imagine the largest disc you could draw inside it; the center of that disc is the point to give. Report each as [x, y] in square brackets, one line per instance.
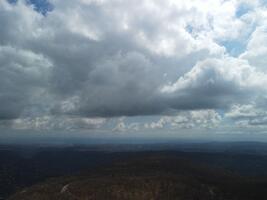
[149, 175]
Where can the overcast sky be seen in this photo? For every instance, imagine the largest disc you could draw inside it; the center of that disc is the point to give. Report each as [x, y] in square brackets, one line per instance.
[129, 67]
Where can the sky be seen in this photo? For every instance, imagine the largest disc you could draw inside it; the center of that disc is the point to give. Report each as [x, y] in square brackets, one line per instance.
[151, 68]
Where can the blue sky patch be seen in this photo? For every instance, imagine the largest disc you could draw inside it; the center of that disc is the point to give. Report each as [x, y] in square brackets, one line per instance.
[242, 10]
[41, 6]
[234, 48]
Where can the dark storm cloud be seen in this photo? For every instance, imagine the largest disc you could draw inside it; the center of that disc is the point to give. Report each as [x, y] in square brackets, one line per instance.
[23, 73]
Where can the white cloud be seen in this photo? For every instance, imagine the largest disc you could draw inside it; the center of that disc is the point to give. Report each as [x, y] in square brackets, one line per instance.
[217, 83]
[188, 120]
[256, 52]
[57, 123]
[249, 115]
[122, 126]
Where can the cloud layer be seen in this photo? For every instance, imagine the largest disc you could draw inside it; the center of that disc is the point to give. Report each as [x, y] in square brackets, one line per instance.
[76, 64]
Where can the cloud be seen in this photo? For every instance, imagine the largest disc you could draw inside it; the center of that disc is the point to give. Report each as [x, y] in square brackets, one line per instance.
[188, 119]
[122, 126]
[23, 76]
[57, 123]
[87, 60]
[249, 115]
[256, 52]
[216, 83]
